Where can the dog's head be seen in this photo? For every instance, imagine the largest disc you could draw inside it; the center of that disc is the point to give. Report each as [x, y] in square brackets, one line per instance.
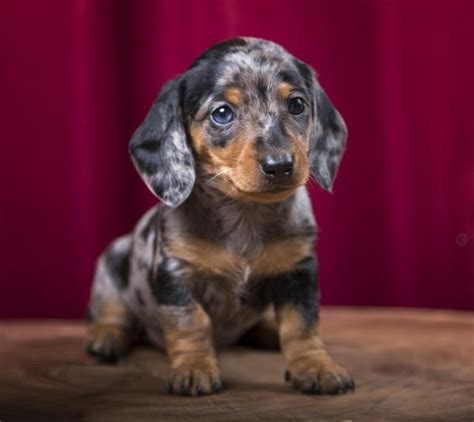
[247, 117]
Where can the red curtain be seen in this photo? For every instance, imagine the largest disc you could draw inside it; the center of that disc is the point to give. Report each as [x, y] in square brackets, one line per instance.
[78, 76]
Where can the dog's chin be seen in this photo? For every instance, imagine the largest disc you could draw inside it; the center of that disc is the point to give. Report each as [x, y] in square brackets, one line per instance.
[276, 194]
[267, 197]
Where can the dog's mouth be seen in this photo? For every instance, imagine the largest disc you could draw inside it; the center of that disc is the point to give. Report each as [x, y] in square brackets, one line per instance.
[272, 190]
[247, 189]
[271, 194]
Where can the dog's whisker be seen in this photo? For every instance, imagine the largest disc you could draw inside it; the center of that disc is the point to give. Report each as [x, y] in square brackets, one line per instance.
[209, 181]
[312, 183]
[235, 159]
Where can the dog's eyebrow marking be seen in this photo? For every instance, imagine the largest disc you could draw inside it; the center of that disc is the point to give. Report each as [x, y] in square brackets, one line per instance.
[233, 96]
[284, 90]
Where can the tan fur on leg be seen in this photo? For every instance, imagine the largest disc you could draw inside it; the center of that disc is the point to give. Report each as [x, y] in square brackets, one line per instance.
[188, 336]
[310, 367]
[108, 336]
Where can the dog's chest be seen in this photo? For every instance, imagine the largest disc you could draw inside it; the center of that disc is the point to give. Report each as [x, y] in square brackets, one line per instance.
[229, 251]
[224, 276]
[221, 285]
[239, 267]
[241, 242]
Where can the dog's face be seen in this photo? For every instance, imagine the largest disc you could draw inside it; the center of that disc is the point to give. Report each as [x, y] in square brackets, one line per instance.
[249, 118]
[251, 128]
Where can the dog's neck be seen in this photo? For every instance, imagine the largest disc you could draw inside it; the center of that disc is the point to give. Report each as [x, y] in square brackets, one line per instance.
[243, 226]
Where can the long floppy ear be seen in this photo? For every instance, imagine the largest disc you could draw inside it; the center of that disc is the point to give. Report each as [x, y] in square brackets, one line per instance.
[328, 138]
[160, 152]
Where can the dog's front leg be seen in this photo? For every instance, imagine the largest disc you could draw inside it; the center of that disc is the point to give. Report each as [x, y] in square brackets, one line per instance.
[191, 354]
[310, 368]
[187, 332]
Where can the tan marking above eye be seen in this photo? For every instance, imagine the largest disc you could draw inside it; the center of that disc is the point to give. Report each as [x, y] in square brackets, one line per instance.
[284, 90]
[233, 96]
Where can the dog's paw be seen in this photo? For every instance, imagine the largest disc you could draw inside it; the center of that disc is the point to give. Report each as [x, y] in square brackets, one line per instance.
[195, 379]
[316, 376]
[107, 342]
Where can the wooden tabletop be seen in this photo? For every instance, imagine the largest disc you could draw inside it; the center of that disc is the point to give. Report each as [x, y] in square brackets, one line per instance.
[409, 365]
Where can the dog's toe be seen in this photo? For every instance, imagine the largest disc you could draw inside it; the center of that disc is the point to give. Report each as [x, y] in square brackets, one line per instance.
[336, 381]
[108, 343]
[316, 377]
[195, 381]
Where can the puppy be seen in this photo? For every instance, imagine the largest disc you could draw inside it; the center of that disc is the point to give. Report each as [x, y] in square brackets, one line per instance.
[227, 147]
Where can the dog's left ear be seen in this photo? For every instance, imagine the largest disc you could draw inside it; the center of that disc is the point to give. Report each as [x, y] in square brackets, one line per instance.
[160, 151]
[328, 135]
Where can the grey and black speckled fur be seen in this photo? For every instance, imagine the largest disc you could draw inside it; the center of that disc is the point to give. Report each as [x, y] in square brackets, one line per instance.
[138, 268]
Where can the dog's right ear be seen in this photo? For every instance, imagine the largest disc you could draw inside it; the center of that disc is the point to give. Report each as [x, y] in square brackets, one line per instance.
[160, 151]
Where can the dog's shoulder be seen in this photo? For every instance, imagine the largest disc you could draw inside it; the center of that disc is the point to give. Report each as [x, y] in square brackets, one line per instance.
[146, 235]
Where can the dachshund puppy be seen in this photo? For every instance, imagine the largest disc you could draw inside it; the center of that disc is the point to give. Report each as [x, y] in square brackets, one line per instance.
[227, 147]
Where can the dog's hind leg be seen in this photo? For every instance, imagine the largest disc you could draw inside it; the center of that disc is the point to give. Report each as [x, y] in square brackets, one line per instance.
[111, 321]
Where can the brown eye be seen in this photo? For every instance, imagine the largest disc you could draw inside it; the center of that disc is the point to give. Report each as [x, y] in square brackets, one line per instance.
[296, 105]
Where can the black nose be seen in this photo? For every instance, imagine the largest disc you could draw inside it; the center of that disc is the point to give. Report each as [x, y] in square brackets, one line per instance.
[277, 169]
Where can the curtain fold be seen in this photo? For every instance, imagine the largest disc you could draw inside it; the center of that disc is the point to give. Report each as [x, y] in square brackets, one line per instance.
[77, 78]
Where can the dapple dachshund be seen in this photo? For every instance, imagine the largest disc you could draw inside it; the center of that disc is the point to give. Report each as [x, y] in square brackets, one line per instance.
[229, 253]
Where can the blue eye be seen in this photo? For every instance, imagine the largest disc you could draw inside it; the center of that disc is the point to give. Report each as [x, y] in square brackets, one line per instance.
[222, 115]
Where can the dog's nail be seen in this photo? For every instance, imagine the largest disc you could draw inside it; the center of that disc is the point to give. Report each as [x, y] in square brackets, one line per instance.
[287, 375]
[169, 388]
[184, 390]
[216, 387]
[315, 388]
[200, 390]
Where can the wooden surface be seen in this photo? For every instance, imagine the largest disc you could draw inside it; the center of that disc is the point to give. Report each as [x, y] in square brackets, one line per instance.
[408, 366]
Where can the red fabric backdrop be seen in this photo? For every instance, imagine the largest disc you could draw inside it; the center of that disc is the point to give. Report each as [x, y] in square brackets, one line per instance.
[78, 76]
